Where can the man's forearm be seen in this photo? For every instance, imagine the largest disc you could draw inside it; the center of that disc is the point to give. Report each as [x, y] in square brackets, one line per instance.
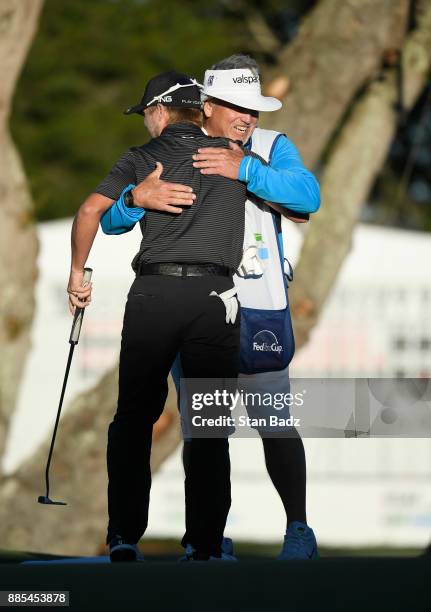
[85, 227]
[84, 230]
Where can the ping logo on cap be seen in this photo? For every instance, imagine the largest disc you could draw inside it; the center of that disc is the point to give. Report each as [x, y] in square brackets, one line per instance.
[166, 98]
[245, 78]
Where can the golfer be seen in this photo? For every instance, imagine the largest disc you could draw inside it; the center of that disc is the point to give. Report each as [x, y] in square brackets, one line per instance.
[231, 85]
[182, 301]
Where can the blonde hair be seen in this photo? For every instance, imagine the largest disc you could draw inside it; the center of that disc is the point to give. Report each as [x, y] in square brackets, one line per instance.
[178, 114]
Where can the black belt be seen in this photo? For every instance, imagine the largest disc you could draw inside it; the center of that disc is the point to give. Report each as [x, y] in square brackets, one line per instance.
[183, 270]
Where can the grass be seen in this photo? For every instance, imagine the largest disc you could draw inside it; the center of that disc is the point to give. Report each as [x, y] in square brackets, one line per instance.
[161, 549]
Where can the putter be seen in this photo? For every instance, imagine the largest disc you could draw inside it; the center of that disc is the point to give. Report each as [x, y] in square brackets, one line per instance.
[73, 341]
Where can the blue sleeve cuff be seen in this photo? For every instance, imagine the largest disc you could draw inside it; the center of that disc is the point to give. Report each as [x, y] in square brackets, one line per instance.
[244, 169]
[119, 218]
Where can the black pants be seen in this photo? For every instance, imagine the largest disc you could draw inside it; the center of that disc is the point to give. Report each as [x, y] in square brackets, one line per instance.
[165, 315]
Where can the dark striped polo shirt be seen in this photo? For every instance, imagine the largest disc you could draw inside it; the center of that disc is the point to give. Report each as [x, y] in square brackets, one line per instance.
[209, 231]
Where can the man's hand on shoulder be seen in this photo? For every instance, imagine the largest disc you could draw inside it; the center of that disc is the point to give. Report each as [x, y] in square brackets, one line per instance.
[79, 296]
[215, 160]
[155, 194]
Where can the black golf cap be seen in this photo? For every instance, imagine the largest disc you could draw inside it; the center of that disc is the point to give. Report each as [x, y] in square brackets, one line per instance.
[170, 89]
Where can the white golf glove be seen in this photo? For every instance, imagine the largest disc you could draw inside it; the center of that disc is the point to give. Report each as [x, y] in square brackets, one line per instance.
[250, 263]
[230, 302]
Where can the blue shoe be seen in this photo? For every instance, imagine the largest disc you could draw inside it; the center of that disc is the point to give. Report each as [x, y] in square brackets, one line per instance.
[299, 543]
[188, 554]
[120, 550]
[226, 554]
[227, 546]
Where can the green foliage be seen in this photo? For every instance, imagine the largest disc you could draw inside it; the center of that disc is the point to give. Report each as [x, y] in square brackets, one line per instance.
[89, 61]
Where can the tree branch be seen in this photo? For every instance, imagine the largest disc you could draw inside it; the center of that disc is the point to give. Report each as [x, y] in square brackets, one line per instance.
[349, 175]
[337, 51]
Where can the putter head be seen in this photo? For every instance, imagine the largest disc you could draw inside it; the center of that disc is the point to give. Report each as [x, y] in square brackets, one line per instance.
[43, 499]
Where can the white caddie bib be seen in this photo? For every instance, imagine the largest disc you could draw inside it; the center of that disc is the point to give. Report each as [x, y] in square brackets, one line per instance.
[267, 342]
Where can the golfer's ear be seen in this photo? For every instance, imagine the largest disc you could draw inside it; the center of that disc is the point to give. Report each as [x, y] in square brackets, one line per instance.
[208, 108]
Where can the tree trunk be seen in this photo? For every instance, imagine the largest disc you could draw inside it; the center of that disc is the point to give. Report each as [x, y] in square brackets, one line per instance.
[356, 160]
[78, 476]
[337, 50]
[18, 241]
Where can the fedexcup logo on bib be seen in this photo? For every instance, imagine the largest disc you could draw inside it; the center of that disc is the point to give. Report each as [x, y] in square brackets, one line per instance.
[266, 341]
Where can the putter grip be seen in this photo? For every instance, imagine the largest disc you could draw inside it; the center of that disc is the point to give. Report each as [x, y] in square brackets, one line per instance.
[79, 312]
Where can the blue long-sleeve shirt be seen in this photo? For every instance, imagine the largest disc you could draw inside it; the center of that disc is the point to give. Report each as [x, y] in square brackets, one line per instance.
[286, 182]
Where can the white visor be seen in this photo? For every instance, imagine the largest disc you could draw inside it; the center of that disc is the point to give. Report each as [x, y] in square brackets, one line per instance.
[240, 87]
